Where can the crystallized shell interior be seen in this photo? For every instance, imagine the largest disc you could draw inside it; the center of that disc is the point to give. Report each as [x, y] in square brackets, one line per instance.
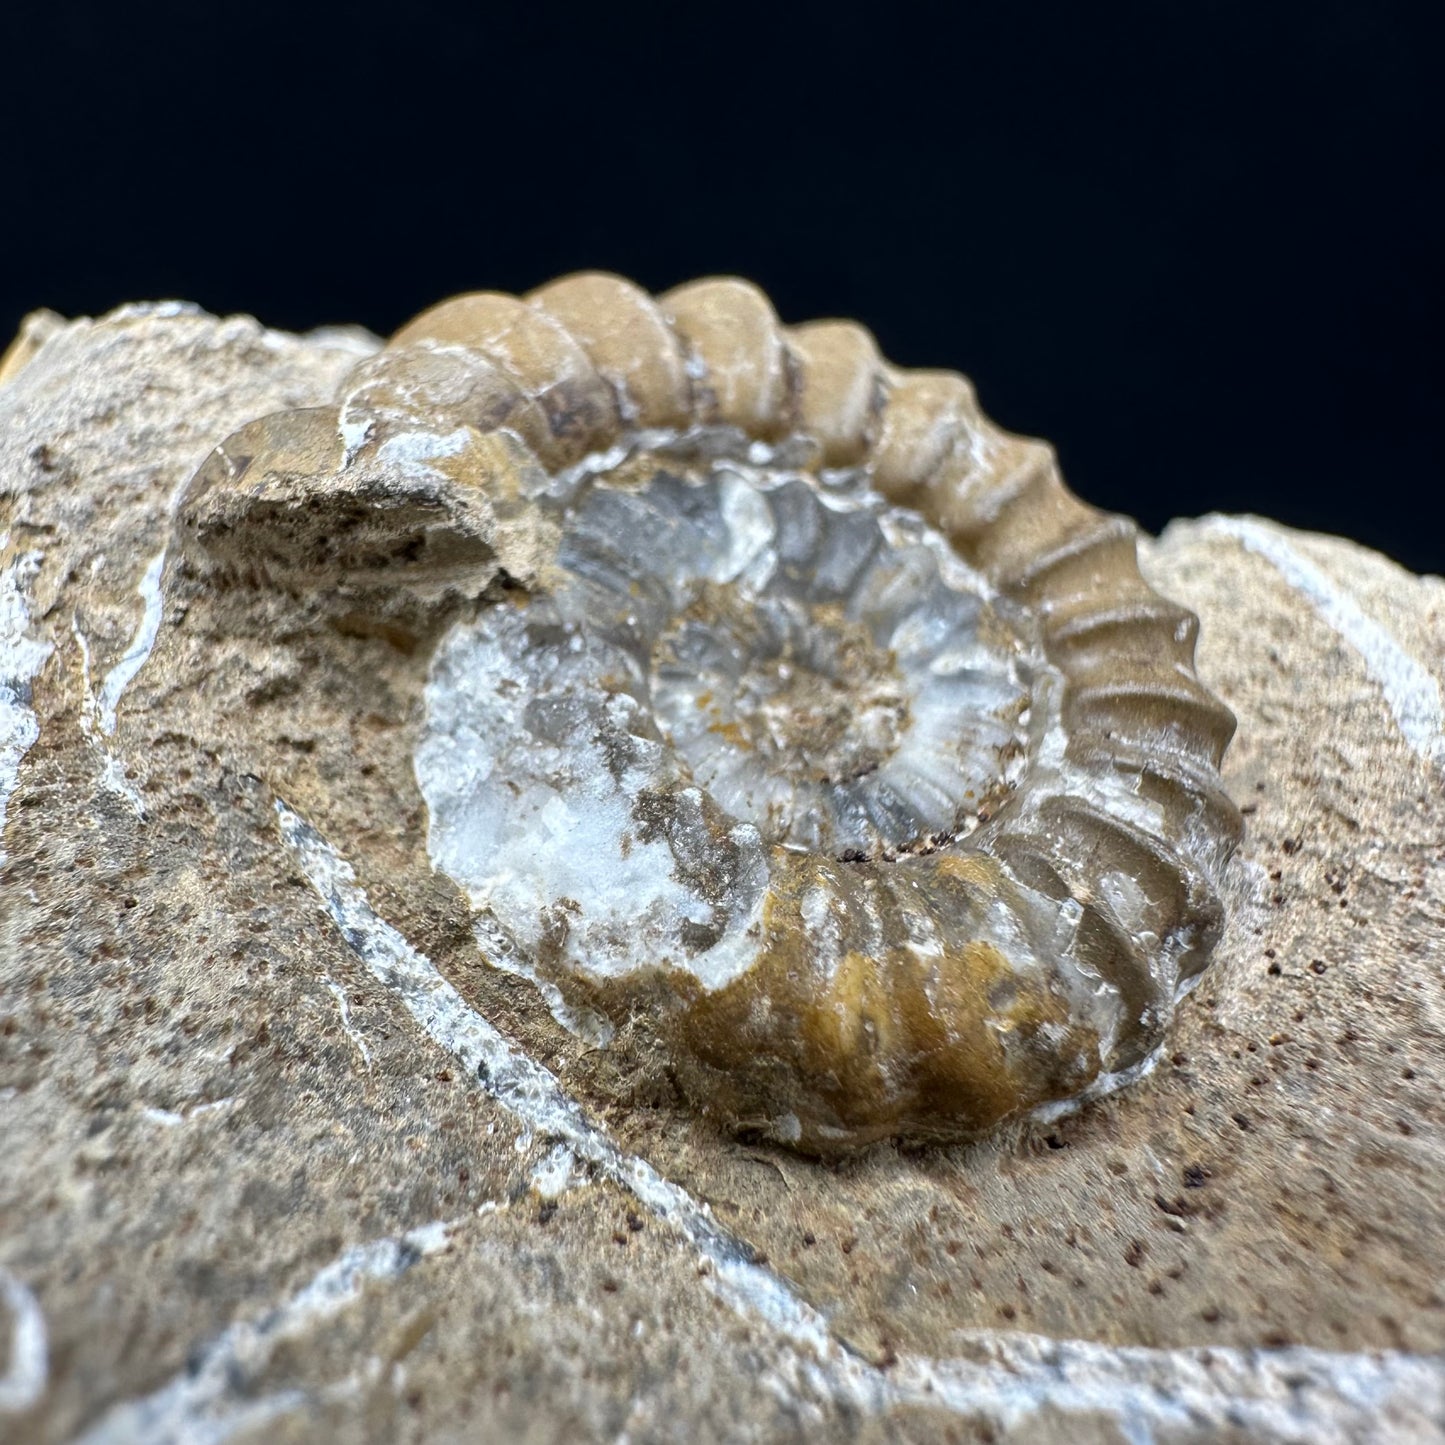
[833, 737]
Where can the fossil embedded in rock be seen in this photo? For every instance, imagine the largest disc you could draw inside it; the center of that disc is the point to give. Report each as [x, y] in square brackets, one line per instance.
[832, 734]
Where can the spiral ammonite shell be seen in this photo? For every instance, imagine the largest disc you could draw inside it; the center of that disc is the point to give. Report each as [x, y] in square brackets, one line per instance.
[836, 738]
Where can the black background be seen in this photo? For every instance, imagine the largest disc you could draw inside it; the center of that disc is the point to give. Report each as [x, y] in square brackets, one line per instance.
[1198, 246]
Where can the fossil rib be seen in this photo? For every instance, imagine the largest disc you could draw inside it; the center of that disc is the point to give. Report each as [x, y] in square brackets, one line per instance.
[835, 736]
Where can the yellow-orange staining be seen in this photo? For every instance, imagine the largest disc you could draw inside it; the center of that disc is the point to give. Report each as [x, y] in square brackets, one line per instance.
[979, 872]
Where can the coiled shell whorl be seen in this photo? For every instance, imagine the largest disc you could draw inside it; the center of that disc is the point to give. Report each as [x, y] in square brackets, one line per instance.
[835, 737]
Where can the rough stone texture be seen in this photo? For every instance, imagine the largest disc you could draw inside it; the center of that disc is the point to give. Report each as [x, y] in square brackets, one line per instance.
[267, 1174]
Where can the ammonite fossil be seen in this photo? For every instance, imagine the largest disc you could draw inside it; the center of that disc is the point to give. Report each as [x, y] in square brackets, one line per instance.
[833, 736]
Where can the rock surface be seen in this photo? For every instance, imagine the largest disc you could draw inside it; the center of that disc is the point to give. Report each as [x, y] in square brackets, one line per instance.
[284, 1156]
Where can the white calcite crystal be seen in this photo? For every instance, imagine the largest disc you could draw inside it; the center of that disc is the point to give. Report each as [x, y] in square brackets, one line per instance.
[726, 665]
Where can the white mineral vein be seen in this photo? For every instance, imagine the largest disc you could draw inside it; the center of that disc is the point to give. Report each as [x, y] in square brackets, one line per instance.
[344, 1008]
[201, 1406]
[556, 1172]
[21, 658]
[172, 1117]
[1411, 691]
[141, 644]
[1287, 1394]
[530, 1091]
[112, 774]
[23, 1382]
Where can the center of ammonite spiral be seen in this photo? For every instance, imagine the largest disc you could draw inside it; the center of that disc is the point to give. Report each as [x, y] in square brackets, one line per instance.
[773, 685]
[720, 665]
